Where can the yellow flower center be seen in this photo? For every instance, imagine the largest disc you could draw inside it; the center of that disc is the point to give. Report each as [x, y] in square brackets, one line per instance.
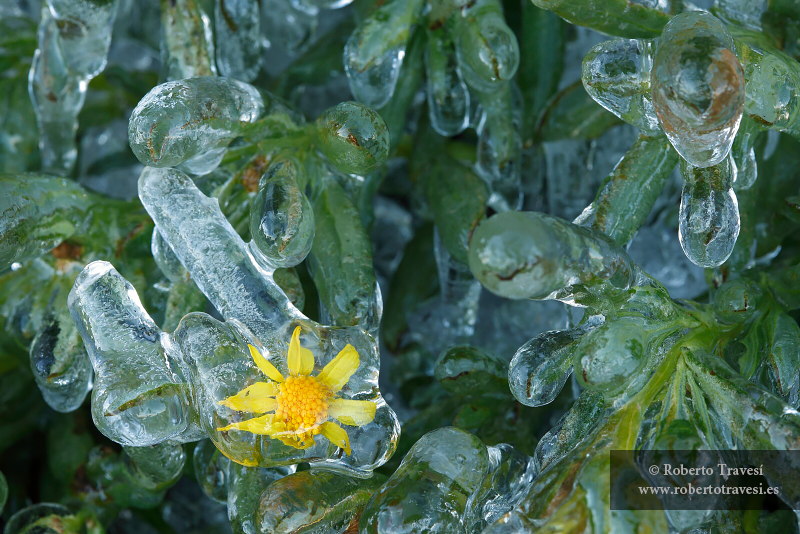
[302, 403]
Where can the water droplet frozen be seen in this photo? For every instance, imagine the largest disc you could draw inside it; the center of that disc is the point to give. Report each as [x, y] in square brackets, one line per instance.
[709, 214]
[697, 86]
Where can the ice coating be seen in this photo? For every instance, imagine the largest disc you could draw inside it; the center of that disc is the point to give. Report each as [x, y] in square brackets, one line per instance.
[353, 137]
[448, 95]
[281, 216]
[607, 357]
[744, 154]
[74, 38]
[179, 120]
[500, 147]
[709, 215]
[627, 195]
[452, 315]
[533, 255]
[584, 416]
[341, 258]
[623, 18]
[244, 486]
[540, 367]
[38, 213]
[616, 74]
[85, 33]
[372, 60]
[165, 258]
[698, 88]
[137, 400]
[239, 283]
[449, 482]
[158, 466]
[315, 501]
[59, 362]
[437, 476]
[509, 475]
[456, 195]
[747, 13]
[772, 97]
[193, 225]
[238, 49]
[188, 41]
[488, 53]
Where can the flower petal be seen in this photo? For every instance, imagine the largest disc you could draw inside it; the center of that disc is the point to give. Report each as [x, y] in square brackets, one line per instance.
[352, 412]
[263, 364]
[336, 435]
[257, 425]
[339, 370]
[291, 442]
[257, 398]
[300, 360]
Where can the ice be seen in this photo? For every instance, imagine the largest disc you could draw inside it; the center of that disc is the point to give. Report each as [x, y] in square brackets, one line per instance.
[569, 187]
[771, 86]
[627, 195]
[74, 38]
[488, 52]
[230, 277]
[204, 162]
[18, 523]
[510, 474]
[499, 156]
[541, 367]
[657, 250]
[237, 25]
[452, 316]
[245, 486]
[698, 87]
[137, 400]
[567, 433]
[533, 255]
[745, 13]
[187, 43]
[84, 33]
[314, 502]
[391, 231]
[281, 216]
[610, 355]
[783, 359]
[616, 74]
[341, 258]
[448, 95]
[59, 362]
[38, 213]
[57, 97]
[744, 154]
[179, 120]
[374, 52]
[430, 490]
[158, 466]
[165, 258]
[237, 280]
[353, 137]
[709, 215]
[575, 168]
[467, 369]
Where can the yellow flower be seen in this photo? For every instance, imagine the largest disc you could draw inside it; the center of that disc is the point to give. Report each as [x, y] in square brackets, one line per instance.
[298, 407]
